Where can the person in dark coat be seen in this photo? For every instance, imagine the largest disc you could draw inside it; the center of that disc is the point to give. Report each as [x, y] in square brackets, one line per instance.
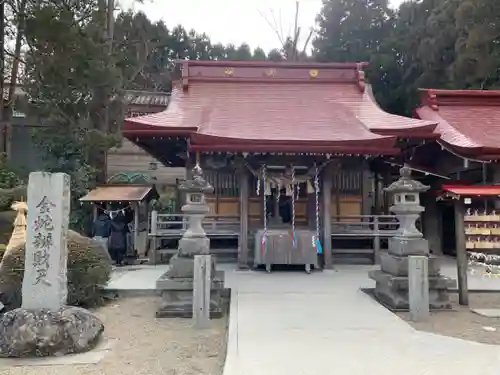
[118, 238]
[102, 228]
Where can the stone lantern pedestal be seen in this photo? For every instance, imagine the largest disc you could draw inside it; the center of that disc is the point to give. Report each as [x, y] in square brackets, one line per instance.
[176, 285]
[392, 279]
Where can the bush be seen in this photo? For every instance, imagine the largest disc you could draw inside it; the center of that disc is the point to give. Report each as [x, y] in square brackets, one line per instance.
[10, 195]
[89, 270]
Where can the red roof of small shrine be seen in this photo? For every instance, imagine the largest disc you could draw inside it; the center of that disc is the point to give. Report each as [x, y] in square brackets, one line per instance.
[277, 107]
[468, 120]
[473, 190]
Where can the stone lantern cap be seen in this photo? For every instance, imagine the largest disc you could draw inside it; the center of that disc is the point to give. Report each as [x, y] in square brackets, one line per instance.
[197, 184]
[405, 184]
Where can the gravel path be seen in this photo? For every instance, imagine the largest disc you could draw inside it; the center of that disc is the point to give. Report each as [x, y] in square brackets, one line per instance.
[148, 346]
[461, 322]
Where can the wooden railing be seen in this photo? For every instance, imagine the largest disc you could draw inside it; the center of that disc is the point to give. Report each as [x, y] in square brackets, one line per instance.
[365, 225]
[372, 228]
[345, 226]
[174, 225]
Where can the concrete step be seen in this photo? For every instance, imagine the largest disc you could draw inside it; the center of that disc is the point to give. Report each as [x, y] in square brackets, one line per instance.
[353, 256]
[221, 255]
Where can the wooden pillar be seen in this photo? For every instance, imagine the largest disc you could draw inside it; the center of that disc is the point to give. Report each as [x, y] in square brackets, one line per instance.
[136, 227]
[95, 214]
[154, 239]
[463, 291]
[243, 239]
[326, 192]
[366, 191]
[386, 181]
[376, 198]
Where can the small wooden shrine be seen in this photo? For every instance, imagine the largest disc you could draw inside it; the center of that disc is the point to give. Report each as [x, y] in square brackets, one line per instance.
[132, 201]
[287, 146]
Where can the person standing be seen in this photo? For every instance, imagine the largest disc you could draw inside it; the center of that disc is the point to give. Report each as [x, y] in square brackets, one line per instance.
[102, 229]
[118, 238]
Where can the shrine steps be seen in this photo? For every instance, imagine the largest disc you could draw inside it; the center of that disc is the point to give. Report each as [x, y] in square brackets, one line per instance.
[222, 255]
[353, 256]
[230, 255]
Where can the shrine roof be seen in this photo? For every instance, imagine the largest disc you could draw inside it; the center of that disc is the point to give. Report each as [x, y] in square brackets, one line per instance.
[120, 193]
[473, 190]
[265, 106]
[468, 120]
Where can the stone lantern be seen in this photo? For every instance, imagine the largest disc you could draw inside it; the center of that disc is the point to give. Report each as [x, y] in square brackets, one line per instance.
[392, 279]
[176, 285]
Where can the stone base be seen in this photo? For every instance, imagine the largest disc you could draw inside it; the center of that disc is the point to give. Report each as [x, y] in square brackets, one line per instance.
[177, 296]
[392, 290]
[182, 267]
[398, 266]
[191, 246]
[42, 333]
[402, 246]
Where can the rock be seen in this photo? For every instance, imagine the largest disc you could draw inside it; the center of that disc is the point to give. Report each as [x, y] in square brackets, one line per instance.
[41, 333]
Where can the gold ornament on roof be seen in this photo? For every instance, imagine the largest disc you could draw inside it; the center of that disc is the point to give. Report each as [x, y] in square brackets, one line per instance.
[271, 72]
[229, 72]
[313, 73]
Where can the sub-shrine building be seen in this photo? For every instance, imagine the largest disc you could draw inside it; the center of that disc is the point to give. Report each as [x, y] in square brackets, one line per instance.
[296, 152]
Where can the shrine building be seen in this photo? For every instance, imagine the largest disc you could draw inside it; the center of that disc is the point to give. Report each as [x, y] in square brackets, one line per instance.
[293, 151]
[465, 157]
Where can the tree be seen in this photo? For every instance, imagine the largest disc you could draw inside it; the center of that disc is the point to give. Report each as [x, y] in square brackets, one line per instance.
[243, 52]
[290, 49]
[142, 52]
[477, 45]
[275, 55]
[417, 53]
[351, 30]
[70, 75]
[259, 54]
[406, 49]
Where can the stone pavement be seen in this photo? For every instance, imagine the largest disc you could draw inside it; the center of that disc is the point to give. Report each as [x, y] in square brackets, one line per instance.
[135, 280]
[297, 324]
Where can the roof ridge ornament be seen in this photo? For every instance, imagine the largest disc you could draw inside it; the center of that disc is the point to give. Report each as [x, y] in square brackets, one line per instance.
[433, 100]
[185, 75]
[229, 72]
[361, 77]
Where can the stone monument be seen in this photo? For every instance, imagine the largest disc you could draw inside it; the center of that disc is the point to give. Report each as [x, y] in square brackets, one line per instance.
[392, 284]
[176, 285]
[44, 325]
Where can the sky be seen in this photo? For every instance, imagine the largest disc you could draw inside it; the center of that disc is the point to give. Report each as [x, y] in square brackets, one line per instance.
[235, 21]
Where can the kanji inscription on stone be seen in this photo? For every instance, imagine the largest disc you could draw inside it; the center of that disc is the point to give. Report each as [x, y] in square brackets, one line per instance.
[45, 269]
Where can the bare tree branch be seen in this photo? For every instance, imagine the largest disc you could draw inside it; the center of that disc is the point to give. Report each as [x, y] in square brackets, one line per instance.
[271, 26]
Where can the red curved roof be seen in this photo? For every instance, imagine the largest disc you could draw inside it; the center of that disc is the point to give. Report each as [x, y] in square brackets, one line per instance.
[468, 120]
[263, 106]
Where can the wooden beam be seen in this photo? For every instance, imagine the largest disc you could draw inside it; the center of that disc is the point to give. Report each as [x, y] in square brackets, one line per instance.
[136, 228]
[376, 198]
[327, 217]
[243, 240]
[463, 291]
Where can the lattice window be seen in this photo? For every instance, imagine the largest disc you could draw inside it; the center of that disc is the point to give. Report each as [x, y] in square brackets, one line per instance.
[347, 182]
[136, 114]
[225, 183]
